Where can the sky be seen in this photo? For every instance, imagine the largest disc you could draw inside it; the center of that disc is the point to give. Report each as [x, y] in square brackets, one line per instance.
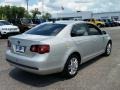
[56, 6]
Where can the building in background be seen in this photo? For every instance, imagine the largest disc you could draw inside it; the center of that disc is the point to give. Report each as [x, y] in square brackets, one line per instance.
[107, 15]
[74, 15]
[80, 15]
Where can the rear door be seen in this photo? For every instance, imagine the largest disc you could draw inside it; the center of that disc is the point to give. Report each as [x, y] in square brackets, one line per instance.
[79, 34]
[96, 38]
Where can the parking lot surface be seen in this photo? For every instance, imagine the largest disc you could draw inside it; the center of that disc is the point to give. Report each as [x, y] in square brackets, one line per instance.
[101, 73]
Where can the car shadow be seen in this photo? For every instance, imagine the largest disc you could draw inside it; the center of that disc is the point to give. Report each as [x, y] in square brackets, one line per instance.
[34, 79]
[92, 61]
[42, 81]
[2, 38]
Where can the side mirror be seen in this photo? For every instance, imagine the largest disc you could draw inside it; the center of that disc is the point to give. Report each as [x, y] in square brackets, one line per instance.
[104, 32]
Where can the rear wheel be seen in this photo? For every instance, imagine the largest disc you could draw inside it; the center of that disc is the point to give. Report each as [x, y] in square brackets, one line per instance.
[0, 35]
[71, 67]
[99, 25]
[108, 49]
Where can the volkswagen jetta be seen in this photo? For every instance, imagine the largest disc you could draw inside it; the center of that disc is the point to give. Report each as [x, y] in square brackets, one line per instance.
[59, 46]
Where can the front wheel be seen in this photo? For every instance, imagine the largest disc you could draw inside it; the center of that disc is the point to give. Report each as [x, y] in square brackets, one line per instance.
[71, 67]
[108, 49]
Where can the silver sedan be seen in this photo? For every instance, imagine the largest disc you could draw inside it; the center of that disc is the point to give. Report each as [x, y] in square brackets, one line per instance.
[59, 46]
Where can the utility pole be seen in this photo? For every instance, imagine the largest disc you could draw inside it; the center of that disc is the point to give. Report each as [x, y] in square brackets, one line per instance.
[42, 7]
[27, 1]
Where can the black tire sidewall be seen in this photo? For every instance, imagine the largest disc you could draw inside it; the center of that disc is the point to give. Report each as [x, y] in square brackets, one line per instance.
[0, 35]
[106, 54]
[99, 25]
[66, 71]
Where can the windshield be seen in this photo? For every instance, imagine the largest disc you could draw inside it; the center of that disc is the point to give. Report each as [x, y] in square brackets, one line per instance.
[26, 21]
[46, 29]
[4, 23]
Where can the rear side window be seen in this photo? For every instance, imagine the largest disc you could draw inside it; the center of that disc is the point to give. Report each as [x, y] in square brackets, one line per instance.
[93, 30]
[79, 30]
[46, 29]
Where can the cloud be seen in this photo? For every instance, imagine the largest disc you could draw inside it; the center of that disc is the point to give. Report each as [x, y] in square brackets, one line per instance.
[13, 2]
[9, 1]
[105, 6]
[54, 6]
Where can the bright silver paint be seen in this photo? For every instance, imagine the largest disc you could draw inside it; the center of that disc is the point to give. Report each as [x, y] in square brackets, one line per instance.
[61, 47]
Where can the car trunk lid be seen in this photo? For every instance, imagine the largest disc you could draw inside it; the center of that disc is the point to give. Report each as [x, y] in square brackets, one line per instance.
[21, 44]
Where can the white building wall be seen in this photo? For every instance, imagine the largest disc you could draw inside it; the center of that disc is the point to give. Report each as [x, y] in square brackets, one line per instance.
[81, 15]
[88, 15]
[107, 15]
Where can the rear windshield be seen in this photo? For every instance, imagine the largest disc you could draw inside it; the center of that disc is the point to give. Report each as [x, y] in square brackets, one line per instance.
[46, 29]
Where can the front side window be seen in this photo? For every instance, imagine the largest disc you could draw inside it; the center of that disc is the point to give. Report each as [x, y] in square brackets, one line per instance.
[46, 29]
[92, 30]
[79, 30]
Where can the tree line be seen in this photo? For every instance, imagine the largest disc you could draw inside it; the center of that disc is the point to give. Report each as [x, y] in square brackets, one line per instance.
[13, 12]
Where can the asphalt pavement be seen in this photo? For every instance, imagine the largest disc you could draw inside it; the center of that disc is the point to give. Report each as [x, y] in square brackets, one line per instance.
[101, 73]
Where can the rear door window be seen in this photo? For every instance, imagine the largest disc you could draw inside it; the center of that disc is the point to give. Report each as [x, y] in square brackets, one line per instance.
[79, 30]
[93, 30]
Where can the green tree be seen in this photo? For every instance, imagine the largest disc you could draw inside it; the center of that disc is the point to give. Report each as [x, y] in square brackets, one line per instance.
[17, 12]
[1, 12]
[11, 12]
[27, 15]
[21, 12]
[46, 16]
[4, 12]
[35, 12]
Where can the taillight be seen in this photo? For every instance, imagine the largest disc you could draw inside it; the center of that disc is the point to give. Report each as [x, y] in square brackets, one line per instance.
[41, 49]
[9, 44]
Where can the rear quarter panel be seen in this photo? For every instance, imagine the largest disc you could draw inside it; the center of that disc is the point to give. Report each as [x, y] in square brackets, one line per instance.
[60, 49]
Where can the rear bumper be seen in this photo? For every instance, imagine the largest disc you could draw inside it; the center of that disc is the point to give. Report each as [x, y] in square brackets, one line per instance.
[33, 69]
[32, 65]
[29, 67]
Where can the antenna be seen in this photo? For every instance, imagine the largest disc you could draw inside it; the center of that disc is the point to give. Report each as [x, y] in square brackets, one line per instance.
[27, 2]
[42, 7]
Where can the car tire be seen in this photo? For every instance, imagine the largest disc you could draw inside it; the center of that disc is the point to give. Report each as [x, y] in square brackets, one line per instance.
[71, 66]
[99, 25]
[108, 49]
[0, 35]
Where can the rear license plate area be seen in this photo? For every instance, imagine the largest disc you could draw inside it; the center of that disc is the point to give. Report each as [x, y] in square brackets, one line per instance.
[20, 49]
